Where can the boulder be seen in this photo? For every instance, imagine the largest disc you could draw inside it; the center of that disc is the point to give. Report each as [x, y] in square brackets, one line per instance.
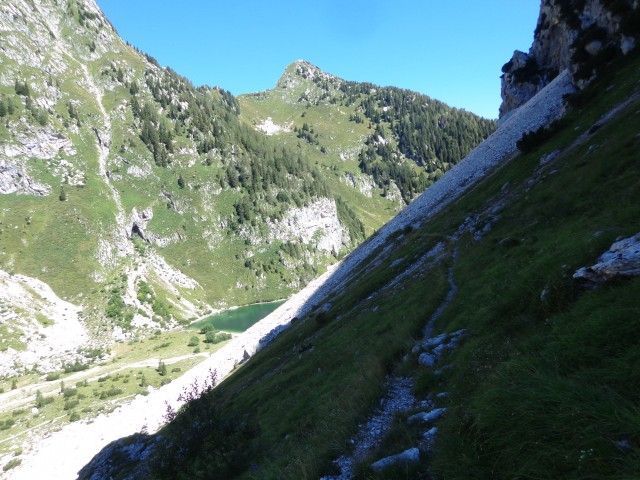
[627, 44]
[593, 48]
[430, 434]
[622, 260]
[425, 417]
[410, 456]
[427, 359]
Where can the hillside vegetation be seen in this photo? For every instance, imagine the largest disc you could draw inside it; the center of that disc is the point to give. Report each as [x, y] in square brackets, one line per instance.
[543, 383]
[147, 201]
[388, 142]
[133, 202]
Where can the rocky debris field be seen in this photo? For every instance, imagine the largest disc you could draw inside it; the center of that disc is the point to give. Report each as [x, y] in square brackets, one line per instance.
[47, 345]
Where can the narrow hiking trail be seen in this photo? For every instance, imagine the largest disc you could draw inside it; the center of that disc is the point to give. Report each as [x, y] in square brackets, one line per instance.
[399, 398]
[451, 293]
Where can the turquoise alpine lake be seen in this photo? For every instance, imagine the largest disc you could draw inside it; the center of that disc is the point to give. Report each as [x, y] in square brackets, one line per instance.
[239, 319]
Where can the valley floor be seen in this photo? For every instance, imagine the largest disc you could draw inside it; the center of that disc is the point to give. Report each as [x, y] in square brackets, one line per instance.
[60, 453]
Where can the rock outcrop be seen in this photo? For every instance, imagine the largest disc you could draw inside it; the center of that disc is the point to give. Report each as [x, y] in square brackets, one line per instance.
[315, 224]
[138, 222]
[578, 35]
[13, 179]
[622, 260]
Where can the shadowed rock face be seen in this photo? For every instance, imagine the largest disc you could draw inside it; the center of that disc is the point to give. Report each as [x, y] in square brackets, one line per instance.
[570, 34]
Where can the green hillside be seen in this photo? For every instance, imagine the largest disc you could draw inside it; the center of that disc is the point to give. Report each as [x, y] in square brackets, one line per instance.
[388, 143]
[133, 202]
[544, 381]
[123, 175]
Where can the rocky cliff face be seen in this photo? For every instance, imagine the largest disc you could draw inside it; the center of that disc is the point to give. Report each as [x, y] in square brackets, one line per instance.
[579, 35]
[316, 224]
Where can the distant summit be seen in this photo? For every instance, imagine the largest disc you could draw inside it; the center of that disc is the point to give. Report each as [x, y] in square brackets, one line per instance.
[399, 141]
[307, 71]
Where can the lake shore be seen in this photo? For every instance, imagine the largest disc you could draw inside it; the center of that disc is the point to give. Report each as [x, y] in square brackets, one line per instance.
[216, 311]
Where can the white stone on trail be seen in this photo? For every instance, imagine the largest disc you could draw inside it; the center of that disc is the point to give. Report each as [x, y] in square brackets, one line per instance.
[426, 417]
[409, 456]
[427, 359]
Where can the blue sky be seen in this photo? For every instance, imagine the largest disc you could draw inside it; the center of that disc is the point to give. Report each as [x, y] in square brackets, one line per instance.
[451, 50]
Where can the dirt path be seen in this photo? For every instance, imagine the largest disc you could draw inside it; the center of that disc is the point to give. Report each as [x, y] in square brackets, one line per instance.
[399, 397]
[16, 398]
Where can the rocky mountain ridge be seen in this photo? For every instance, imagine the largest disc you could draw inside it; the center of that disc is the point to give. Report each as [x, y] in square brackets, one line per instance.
[387, 140]
[578, 35]
[465, 336]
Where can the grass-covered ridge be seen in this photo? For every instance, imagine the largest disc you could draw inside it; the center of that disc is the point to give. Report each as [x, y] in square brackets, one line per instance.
[399, 140]
[544, 384]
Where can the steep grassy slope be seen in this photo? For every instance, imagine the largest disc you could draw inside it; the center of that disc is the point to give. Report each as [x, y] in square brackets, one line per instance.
[544, 384]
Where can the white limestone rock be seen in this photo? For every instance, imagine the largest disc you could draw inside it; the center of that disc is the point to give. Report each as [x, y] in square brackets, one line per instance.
[361, 182]
[620, 261]
[552, 49]
[49, 327]
[13, 179]
[269, 128]
[316, 224]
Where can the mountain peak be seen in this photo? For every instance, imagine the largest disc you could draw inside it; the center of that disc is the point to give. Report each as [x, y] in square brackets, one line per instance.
[303, 70]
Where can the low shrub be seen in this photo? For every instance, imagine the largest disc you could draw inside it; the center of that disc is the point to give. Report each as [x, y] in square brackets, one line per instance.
[533, 139]
[216, 337]
[14, 462]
